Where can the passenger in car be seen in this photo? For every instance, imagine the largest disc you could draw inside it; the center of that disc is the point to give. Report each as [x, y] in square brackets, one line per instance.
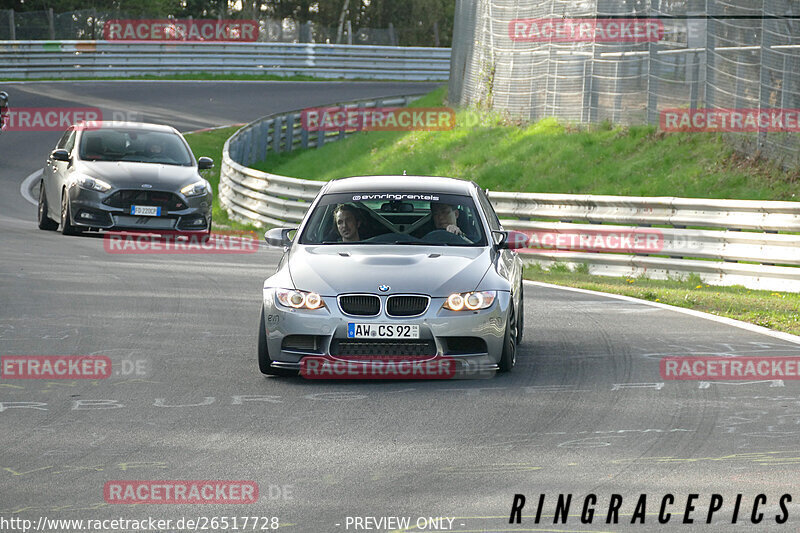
[445, 217]
[348, 222]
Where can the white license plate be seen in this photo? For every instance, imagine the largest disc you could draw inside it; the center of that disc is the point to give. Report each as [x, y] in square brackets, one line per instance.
[382, 331]
[145, 211]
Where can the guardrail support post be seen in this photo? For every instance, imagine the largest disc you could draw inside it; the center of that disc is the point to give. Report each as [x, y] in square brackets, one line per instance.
[290, 132]
[277, 132]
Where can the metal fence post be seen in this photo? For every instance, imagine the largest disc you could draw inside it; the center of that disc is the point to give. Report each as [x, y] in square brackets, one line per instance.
[51, 24]
[709, 63]
[12, 27]
[787, 78]
[694, 82]
[763, 77]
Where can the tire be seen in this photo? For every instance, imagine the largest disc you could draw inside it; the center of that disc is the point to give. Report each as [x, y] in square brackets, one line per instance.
[66, 217]
[264, 360]
[509, 357]
[521, 314]
[44, 220]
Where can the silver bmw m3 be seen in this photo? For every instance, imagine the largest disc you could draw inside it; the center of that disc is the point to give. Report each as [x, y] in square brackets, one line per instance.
[393, 268]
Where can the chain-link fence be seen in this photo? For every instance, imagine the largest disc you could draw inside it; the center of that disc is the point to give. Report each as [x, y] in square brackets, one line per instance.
[715, 54]
[89, 24]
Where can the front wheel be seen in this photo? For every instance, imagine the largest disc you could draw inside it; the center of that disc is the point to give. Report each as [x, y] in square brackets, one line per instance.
[66, 217]
[44, 220]
[509, 357]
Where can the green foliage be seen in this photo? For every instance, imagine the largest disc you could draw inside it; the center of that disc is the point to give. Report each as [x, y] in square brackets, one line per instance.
[549, 156]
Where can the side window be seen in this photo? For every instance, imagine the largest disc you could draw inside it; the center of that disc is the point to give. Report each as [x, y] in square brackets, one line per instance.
[491, 216]
[70, 144]
[62, 142]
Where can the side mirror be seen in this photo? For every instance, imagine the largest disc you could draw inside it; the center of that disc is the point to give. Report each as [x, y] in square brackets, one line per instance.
[509, 240]
[205, 163]
[279, 237]
[60, 155]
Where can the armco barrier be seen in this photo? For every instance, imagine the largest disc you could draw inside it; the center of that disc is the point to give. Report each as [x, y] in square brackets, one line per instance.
[69, 59]
[725, 242]
[253, 196]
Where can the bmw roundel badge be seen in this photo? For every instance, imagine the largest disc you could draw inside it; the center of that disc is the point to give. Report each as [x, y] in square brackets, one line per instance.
[383, 288]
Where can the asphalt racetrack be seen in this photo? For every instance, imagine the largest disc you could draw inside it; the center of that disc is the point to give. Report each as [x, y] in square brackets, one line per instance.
[586, 410]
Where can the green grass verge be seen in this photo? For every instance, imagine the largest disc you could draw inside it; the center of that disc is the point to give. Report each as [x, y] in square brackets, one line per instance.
[775, 310]
[549, 157]
[209, 144]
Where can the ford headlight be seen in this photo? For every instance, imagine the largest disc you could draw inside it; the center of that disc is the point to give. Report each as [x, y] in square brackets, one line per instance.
[299, 299]
[93, 184]
[470, 301]
[195, 189]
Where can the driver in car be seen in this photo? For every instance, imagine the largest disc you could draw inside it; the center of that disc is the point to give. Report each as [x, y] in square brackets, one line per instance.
[348, 221]
[154, 149]
[445, 217]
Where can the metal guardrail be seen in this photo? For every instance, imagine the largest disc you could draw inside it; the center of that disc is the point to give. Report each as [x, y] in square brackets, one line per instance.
[252, 196]
[725, 242]
[69, 59]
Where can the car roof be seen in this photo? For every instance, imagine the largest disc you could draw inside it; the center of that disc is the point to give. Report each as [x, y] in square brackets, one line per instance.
[401, 184]
[98, 124]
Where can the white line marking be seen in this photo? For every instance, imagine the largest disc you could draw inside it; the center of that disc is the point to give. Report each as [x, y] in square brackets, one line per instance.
[26, 186]
[788, 337]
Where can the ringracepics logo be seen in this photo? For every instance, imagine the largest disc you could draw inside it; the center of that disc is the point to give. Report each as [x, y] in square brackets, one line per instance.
[577, 30]
[48, 118]
[389, 367]
[708, 368]
[180, 492]
[226, 242]
[55, 366]
[730, 120]
[378, 119]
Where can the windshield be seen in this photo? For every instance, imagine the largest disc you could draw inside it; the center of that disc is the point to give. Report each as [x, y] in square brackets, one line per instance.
[423, 219]
[110, 144]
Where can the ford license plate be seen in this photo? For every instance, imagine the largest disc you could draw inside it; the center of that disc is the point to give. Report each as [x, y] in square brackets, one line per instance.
[382, 331]
[145, 211]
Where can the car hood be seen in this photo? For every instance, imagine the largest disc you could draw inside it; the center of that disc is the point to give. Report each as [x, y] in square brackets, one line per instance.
[434, 270]
[124, 175]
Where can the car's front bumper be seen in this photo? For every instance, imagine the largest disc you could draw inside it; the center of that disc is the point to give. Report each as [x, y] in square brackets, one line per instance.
[91, 209]
[472, 340]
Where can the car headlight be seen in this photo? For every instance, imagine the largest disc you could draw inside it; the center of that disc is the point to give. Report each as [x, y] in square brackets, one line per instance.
[93, 184]
[470, 301]
[195, 189]
[299, 299]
